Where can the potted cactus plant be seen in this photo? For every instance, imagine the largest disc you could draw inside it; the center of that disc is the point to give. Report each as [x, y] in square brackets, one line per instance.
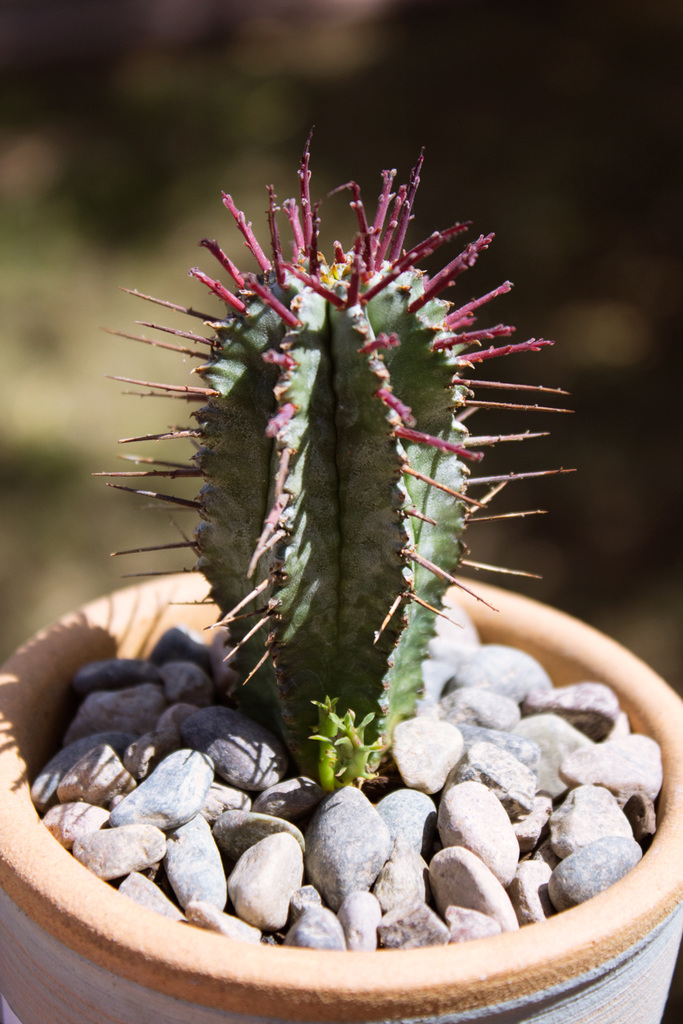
[335, 461]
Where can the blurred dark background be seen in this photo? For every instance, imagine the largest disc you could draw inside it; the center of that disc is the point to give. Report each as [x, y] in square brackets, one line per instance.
[556, 125]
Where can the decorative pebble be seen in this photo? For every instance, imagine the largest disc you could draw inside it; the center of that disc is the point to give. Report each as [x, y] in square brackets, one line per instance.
[180, 643]
[641, 815]
[225, 677]
[317, 928]
[458, 877]
[360, 915]
[194, 866]
[591, 870]
[145, 753]
[174, 716]
[222, 798]
[545, 852]
[412, 814]
[304, 898]
[292, 799]
[186, 682]
[525, 750]
[245, 754]
[625, 766]
[96, 778]
[69, 822]
[402, 879]
[411, 927]
[587, 813]
[425, 750]
[556, 739]
[593, 708]
[135, 709]
[115, 852]
[465, 924]
[347, 842]
[511, 781]
[475, 705]
[471, 815]
[206, 915]
[171, 795]
[505, 670]
[529, 827]
[145, 893]
[236, 831]
[528, 892]
[44, 789]
[114, 674]
[264, 879]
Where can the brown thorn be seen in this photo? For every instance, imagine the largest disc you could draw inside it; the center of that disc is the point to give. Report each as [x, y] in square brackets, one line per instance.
[509, 387]
[152, 462]
[155, 547]
[173, 474]
[169, 305]
[157, 344]
[436, 570]
[256, 667]
[189, 335]
[420, 515]
[513, 406]
[183, 502]
[425, 604]
[405, 468]
[184, 389]
[168, 572]
[507, 515]
[499, 568]
[162, 437]
[261, 550]
[247, 636]
[489, 439]
[516, 476]
[387, 617]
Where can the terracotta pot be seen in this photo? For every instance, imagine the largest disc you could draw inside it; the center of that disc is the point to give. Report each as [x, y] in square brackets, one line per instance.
[73, 951]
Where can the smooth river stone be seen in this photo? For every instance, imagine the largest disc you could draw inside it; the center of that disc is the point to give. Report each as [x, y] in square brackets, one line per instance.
[347, 842]
[409, 813]
[149, 750]
[460, 878]
[44, 789]
[360, 915]
[180, 643]
[69, 822]
[593, 869]
[471, 815]
[194, 866]
[525, 750]
[205, 915]
[302, 900]
[222, 798]
[528, 892]
[465, 924]
[264, 879]
[114, 674]
[625, 766]
[529, 827]
[145, 893]
[115, 852]
[425, 750]
[557, 739]
[503, 669]
[135, 709]
[235, 831]
[410, 927]
[292, 799]
[511, 781]
[317, 928]
[587, 813]
[185, 682]
[246, 754]
[402, 879]
[593, 708]
[473, 705]
[96, 778]
[171, 795]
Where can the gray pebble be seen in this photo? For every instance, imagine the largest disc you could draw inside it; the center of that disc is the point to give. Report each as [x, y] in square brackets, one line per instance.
[69, 822]
[458, 877]
[593, 708]
[347, 842]
[174, 716]
[529, 828]
[205, 915]
[145, 893]
[471, 815]
[511, 781]
[360, 915]
[292, 799]
[528, 892]
[556, 739]
[640, 812]
[317, 928]
[235, 831]
[264, 879]
[425, 750]
[171, 795]
[403, 878]
[587, 813]
[194, 866]
[412, 927]
[222, 798]
[180, 643]
[145, 753]
[545, 852]
[96, 778]
[246, 754]
[465, 924]
[115, 852]
[225, 677]
[44, 789]
[412, 814]
[185, 682]
[303, 899]
[135, 709]
[625, 766]
[591, 870]
[505, 670]
[114, 674]
[525, 750]
[475, 705]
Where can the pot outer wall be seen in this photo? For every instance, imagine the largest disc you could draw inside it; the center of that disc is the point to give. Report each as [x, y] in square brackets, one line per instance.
[72, 951]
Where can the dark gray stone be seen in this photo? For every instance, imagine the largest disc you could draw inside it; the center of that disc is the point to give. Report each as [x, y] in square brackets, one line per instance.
[505, 670]
[180, 643]
[146, 893]
[114, 674]
[185, 682]
[292, 799]
[44, 789]
[115, 852]
[222, 798]
[205, 915]
[145, 753]
[524, 749]
[96, 778]
[171, 795]
[591, 870]
[412, 814]
[245, 754]
[135, 709]
[347, 842]
[236, 831]
[411, 927]
[303, 899]
[317, 928]
[194, 866]
[593, 708]
[511, 781]
[640, 812]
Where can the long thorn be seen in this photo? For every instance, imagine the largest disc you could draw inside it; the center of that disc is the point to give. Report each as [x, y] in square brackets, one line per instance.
[158, 344]
[405, 468]
[190, 335]
[241, 604]
[184, 502]
[513, 406]
[436, 570]
[495, 439]
[256, 667]
[420, 515]
[173, 474]
[516, 476]
[499, 568]
[248, 636]
[184, 389]
[188, 310]
[431, 608]
[506, 515]
[387, 617]
[174, 434]
[155, 547]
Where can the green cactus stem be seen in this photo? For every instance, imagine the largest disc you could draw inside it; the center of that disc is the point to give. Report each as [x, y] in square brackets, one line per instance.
[335, 458]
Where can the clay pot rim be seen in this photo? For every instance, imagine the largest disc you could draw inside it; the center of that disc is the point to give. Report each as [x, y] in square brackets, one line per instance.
[91, 919]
